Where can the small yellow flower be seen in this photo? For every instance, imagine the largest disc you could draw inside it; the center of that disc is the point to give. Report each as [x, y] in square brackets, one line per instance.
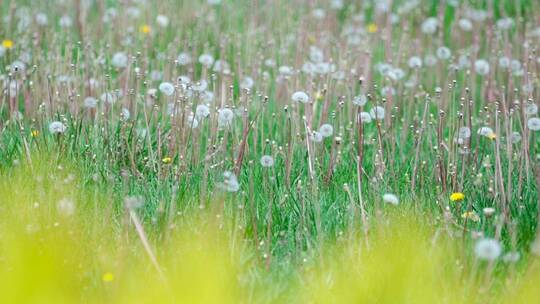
[35, 133]
[7, 43]
[319, 96]
[457, 197]
[145, 29]
[372, 28]
[167, 160]
[471, 215]
[107, 277]
[492, 136]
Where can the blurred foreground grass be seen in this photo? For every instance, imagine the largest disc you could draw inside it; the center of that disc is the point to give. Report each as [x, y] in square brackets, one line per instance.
[63, 243]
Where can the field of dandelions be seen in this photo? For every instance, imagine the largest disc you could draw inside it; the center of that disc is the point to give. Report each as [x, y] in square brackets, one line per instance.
[250, 151]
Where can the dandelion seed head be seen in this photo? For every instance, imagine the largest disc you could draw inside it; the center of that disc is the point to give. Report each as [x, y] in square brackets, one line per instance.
[162, 20]
[316, 137]
[57, 127]
[66, 207]
[267, 161]
[183, 58]
[166, 88]
[206, 60]
[487, 249]
[377, 113]
[531, 109]
[390, 198]
[326, 130]
[485, 131]
[360, 100]
[365, 117]
[429, 26]
[415, 62]
[119, 60]
[533, 124]
[481, 67]
[90, 102]
[300, 96]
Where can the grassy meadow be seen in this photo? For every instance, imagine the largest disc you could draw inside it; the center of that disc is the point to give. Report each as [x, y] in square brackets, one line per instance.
[250, 151]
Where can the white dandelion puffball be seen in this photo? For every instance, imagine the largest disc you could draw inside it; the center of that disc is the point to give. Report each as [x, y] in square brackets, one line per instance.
[488, 211]
[18, 65]
[200, 85]
[225, 116]
[504, 62]
[365, 117]
[515, 137]
[247, 83]
[183, 58]
[531, 108]
[505, 23]
[285, 70]
[119, 60]
[465, 25]
[108, 97]
[207, 96]
[221, 66]
[66, 207]
[125, 113]
[57, 127]
[391, 199]
[315, 54]
[360, 100]
[415, 62]
[316, 137]
[207, 60]
[534, 124]
[300, 96]
[192, 122]
[444, 53]
[487, 249]
[464, 132]
[230, 182]
[267, 161]
[156, 75]
[162, 20]
[90, 102]
[166, 88]
[377, 113]
[485, 131]
[326, 130]
[511, 257]
[65, 21]
[41, 19]
[202, 111]
[481, 67]
[429, 26]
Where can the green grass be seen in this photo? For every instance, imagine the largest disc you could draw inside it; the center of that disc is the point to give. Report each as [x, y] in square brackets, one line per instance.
[299, 223]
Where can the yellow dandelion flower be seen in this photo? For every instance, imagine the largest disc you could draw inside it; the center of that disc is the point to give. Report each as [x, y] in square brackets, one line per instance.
[319, 96]
[145, 29]
[35, 133]
[7, 43]
[492, 136]
[372, 28]
[457, 197]
[167, 160]
[471, 215]
[107, 277]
